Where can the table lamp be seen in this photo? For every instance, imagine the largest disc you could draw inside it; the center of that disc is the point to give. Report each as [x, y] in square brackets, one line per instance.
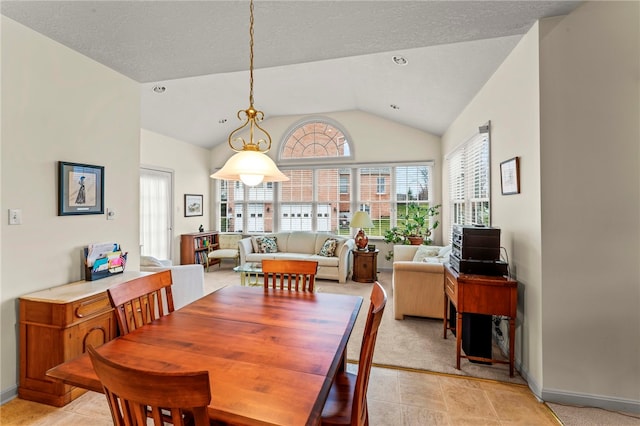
[361, 220]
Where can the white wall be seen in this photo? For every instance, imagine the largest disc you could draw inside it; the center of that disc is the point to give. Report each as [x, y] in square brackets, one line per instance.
[372, 139]
[566, 101]
[190, 167]
[58, 105]
[590, 173]
[510, 100]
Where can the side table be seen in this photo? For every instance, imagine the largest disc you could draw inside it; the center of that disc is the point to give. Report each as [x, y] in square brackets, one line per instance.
[480, 294]
[365, 266]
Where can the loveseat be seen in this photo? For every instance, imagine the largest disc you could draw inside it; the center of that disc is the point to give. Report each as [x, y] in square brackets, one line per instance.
[418, 280]
[333, 257]
[188, 280]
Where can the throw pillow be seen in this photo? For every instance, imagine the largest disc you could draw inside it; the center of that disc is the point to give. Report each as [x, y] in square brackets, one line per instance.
[444, 251]
[328, 248]
[425, 251]
[150, 261]
[267, 245]
[254, 244]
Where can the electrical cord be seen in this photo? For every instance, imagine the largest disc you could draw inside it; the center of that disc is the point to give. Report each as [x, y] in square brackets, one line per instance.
[505, 259]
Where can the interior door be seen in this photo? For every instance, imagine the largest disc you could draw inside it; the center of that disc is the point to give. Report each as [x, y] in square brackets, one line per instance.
[156, 212]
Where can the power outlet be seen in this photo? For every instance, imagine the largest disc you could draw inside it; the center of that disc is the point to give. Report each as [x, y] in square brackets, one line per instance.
[15, 217]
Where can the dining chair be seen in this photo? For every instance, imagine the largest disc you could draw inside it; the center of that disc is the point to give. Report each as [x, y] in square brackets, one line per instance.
[138, 302]
[347, 400]
[164, 397]
[296, 275]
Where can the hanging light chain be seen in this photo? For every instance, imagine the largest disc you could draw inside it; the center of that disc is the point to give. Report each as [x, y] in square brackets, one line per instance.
[251, 54]
[251, 115]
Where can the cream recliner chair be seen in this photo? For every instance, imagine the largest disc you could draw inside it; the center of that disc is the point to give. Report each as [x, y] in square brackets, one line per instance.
[418, 281]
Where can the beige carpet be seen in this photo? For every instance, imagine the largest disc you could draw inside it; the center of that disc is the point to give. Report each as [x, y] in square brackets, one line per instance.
[589, 416]
[414, 343]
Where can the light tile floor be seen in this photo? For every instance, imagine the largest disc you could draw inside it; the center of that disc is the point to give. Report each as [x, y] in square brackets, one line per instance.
[396, 398]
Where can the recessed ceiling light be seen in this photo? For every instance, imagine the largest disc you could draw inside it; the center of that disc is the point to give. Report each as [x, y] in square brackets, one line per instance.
[159, 89]
[394, 106]
[399, 60]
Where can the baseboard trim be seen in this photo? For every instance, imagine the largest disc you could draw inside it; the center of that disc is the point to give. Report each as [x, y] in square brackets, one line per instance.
[588, 400]
[534, 386]
[8, 394]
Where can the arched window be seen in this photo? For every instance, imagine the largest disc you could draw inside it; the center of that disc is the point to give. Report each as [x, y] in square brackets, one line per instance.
[315, 138]
[325, 187]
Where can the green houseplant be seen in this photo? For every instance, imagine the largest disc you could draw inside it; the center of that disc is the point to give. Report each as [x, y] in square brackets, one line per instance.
[415, 227]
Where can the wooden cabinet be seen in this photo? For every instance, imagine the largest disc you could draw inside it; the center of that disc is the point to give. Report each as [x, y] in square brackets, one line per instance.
[195, 247]
[480, 294]
[365, 266]
[57, 325]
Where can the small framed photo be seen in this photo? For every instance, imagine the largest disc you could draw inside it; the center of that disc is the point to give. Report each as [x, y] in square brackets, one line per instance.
[80, 189]
[510, 176]
[192, 205]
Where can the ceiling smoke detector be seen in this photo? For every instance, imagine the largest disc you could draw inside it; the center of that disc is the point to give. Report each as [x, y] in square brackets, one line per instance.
[399, 60]
[159, 89]
[394, 106]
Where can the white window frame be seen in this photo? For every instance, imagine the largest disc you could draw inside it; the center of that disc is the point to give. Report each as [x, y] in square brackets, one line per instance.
[469, 172]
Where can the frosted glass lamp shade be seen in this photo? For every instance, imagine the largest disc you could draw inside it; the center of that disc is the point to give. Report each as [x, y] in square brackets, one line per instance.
[251, 168]
[361, 220]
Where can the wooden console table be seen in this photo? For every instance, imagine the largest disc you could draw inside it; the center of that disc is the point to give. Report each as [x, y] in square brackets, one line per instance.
[57, 325]
[480, 294]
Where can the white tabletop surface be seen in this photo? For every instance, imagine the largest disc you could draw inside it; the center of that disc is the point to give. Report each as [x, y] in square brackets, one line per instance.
[80, 289]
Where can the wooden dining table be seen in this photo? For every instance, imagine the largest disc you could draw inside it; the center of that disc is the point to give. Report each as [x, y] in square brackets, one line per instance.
[271, 354]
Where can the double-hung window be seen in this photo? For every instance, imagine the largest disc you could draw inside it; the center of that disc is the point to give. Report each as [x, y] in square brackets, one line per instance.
[469, 181]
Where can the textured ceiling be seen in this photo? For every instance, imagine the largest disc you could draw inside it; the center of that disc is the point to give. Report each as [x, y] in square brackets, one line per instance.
[310, 56]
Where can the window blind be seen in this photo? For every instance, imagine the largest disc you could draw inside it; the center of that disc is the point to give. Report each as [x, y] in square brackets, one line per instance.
[469, 181]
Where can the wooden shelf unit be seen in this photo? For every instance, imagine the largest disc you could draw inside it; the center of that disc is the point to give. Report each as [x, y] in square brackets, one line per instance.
[195, 247]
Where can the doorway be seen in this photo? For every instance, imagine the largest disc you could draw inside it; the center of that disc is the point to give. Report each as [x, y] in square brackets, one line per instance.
[156, 212]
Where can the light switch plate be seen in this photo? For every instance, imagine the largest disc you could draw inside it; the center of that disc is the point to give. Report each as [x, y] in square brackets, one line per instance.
[15, 216]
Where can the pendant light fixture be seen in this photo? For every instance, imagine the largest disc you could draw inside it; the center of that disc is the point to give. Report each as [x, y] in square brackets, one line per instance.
[250, 164]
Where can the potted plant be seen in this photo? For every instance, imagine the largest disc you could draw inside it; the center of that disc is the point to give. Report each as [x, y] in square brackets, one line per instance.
[415, 228]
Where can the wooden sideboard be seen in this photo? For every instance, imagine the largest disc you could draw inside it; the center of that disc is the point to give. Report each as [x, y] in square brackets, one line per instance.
[480, 294]
[57, 325]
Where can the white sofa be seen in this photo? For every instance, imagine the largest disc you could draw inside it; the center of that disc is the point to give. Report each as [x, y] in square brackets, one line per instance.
[304, 246]
[188, 280]
[418, 280]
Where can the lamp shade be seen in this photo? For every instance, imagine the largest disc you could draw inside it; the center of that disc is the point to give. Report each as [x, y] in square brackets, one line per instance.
[361, 220]
[250, 167]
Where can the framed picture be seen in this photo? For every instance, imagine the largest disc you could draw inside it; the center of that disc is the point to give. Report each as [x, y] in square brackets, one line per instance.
[192, 205]
[510, 176]
[80, 189]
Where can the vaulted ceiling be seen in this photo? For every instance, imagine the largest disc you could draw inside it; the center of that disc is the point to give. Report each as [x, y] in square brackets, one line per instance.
[311, 57]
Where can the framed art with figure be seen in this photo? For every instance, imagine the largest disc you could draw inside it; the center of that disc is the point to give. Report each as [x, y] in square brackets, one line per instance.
[80, 189]
[510, 176]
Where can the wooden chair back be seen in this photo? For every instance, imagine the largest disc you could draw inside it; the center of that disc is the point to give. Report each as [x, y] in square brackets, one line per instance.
[296, 275]
[142, 300]
[359, 414]
[346, 404]
[165, 397]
